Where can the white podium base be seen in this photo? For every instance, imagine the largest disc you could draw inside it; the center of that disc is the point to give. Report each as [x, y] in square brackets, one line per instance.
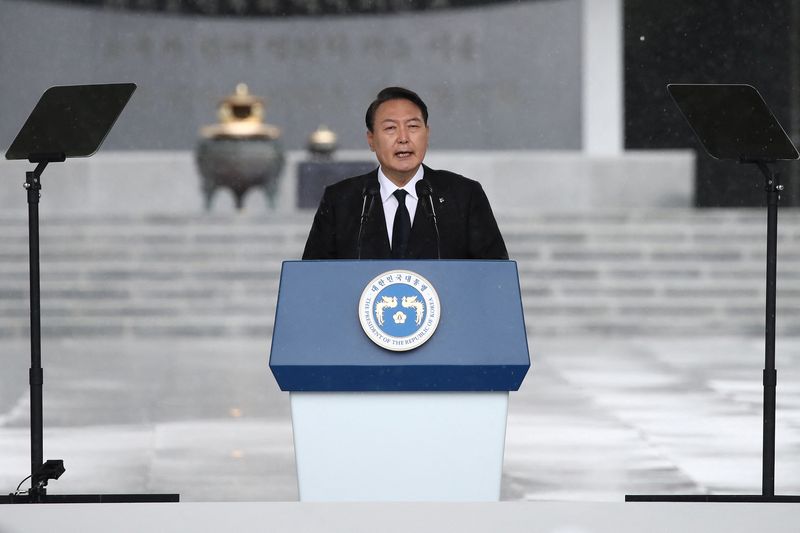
[403, 446]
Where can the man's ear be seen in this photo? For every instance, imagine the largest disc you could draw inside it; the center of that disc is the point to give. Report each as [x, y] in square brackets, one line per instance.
[369, 140]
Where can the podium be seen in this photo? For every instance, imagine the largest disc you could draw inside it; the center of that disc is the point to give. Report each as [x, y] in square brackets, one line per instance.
[376, 421]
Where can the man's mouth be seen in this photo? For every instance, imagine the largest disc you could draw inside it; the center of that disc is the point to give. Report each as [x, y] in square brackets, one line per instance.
[403, 155]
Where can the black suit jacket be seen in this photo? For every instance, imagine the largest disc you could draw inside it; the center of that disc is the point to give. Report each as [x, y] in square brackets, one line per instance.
[467, 225]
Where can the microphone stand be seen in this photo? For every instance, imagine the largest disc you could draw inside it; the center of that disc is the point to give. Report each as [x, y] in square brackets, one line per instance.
[425, 190]
[435, 228]
[366, 209]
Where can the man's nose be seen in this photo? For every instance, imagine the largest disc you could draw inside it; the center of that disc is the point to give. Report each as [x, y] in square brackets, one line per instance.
[402, 135]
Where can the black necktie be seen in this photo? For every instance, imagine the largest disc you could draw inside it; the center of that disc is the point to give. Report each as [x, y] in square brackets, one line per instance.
[402, 226]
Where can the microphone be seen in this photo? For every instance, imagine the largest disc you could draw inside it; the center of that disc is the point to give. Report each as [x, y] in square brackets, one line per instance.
[369, 192]
[424, 190]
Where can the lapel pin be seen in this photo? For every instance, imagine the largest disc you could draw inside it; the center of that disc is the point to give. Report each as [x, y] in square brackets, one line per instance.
[441, 200]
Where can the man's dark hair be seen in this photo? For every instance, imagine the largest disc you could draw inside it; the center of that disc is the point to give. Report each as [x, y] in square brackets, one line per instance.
[395, 93]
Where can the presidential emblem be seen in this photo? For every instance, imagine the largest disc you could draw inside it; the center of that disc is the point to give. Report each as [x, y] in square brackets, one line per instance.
[399, 310]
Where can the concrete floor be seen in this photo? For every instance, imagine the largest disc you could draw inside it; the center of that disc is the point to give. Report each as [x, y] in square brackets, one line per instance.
[597, 418]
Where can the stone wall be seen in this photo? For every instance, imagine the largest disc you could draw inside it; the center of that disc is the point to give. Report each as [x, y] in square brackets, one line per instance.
[503, 76]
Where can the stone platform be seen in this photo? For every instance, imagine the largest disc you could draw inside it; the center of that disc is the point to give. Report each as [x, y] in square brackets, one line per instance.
[596, 419]
[539, 517]
[167, 182]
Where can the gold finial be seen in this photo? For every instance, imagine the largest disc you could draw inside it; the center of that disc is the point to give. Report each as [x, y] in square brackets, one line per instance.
[241, 115]
[322, 142]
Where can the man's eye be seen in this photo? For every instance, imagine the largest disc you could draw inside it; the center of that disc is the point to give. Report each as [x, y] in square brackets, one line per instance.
[388, 128]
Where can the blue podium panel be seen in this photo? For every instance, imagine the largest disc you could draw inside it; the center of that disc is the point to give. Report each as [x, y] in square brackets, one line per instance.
[318, 343]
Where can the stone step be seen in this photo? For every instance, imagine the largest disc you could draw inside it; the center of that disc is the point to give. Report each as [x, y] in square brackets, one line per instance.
[674, 271]
[184, 326]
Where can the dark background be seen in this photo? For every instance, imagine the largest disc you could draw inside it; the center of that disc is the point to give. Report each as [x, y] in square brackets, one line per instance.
[737, 41]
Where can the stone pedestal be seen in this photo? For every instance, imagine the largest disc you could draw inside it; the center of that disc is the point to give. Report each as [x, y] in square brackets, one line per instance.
[314, 176]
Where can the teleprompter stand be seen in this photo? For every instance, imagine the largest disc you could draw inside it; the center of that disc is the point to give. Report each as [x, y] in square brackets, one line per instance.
[734, 123]
[68, 121]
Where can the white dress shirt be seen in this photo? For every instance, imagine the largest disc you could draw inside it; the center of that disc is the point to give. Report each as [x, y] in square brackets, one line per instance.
[390, 201]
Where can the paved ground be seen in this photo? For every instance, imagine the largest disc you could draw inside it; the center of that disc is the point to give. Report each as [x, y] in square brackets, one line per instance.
[597, 418]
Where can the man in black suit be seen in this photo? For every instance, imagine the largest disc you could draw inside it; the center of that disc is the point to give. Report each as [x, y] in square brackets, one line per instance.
[397, 222]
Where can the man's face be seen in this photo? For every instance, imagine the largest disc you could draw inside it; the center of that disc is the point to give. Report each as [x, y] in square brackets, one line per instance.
[399, 139]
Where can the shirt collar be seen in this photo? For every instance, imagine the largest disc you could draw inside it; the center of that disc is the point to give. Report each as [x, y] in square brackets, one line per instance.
[388, 188]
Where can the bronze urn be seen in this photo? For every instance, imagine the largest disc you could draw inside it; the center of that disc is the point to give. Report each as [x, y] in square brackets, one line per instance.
[241, 151]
